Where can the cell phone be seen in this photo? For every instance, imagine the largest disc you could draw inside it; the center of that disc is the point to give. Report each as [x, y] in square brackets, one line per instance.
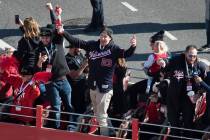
[17, 19]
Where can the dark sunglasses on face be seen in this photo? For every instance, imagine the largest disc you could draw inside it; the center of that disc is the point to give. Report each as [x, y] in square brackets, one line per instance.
[192, 56]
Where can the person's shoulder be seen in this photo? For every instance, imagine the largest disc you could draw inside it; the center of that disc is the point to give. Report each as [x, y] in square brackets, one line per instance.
[207, 78]
[68, 56]
[92, 44]
[22, 39]
[176, 57]
[151, 56]
[22, 43]
[113, 46]
[204, 62]
[201, 64]
[177, 60]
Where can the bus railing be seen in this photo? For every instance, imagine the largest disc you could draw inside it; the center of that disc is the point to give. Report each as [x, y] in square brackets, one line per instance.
[134, 129]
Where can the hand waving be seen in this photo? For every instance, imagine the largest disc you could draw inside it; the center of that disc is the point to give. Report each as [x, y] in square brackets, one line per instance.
[133, 41]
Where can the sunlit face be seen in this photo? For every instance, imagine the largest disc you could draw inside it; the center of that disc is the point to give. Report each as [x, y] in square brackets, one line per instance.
[104, 39]
[191, 56]
[46, 40]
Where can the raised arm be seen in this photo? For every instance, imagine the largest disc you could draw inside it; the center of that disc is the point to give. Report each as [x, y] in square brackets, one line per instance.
[75, 41]
[52, 14]
[20, 24]
[132, 48]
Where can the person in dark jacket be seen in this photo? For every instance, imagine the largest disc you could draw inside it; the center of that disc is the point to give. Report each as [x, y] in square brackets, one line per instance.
[44, 56]
[102, 57]
[46, 50]
[47, 47]
[182, 69]
[97, 21]
[77, 78]
[28, 44]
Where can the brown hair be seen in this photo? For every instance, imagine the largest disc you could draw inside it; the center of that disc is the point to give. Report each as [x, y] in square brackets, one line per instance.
[31, 28]
[190, 47]
[121, 62]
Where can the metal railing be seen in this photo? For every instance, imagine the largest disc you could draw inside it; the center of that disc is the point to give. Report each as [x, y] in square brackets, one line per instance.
[135, 124]
[40, 119]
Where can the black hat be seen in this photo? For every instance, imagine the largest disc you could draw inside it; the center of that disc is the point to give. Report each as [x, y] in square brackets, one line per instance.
[108, 31]
[27, 71]
[45, 32]
[70, 46]
[158, 36]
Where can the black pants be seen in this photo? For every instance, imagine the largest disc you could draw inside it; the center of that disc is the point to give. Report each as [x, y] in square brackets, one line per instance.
[178, 102]
[118, 105]
[119, 99]
[80, 96]
[98, 14]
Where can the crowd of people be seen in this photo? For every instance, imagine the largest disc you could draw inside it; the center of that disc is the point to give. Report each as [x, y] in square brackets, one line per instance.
[38, 72]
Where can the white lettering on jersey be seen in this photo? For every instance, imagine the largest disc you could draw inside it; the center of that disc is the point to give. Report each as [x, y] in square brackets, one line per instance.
[95, 54]
[178, 74]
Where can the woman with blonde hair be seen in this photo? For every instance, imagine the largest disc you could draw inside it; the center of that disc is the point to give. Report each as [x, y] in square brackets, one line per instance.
[28, 44]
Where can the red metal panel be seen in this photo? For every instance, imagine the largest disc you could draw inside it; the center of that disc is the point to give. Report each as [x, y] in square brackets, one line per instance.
[19, 132]
[39, 111]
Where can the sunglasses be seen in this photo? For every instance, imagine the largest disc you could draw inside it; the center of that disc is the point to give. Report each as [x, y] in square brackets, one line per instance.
[192, 56]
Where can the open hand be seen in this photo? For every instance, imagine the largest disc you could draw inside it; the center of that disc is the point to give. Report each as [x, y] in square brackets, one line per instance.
[161, 63]
[49, 6]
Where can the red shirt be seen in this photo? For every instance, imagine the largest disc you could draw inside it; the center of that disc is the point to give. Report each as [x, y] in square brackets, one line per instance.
[155, 67]
[29, 95]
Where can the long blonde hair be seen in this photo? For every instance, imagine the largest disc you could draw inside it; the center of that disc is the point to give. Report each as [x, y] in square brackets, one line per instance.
[31, 28]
